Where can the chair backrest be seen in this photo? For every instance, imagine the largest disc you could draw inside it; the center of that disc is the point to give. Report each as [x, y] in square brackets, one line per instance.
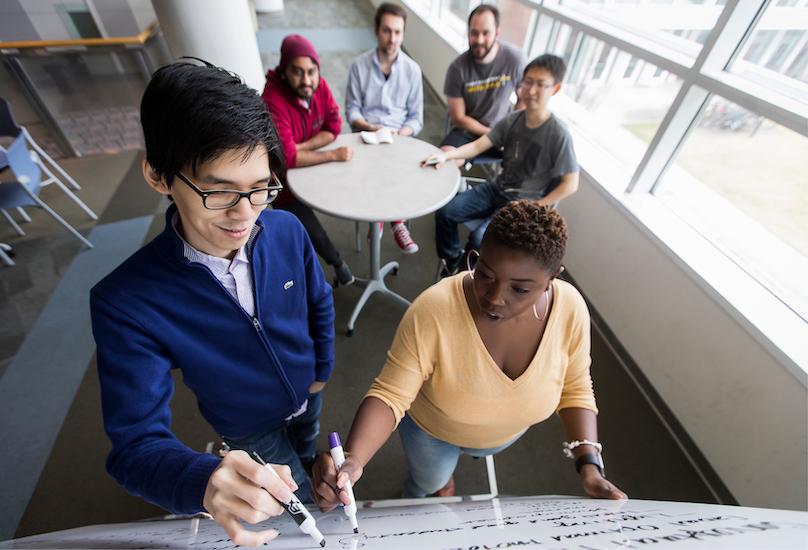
[21, 162]
[8, 126]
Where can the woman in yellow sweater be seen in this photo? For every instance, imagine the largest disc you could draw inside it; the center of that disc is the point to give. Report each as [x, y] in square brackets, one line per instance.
[479, 358]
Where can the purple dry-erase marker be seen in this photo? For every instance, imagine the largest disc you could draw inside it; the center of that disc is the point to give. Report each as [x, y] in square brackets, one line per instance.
[339, 457]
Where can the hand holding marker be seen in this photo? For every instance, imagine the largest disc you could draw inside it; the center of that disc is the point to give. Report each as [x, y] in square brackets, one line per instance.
[434, 159]
[295, 508]
[339, 457]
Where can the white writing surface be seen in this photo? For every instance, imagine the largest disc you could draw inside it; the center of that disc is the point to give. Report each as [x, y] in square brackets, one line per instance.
[549, 523]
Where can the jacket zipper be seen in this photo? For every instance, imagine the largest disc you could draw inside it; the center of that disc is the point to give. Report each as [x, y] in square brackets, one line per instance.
[261, 335]
[255, 322]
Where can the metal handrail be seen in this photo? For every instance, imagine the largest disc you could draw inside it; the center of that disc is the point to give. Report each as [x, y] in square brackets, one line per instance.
[136, 40]
[11, 52]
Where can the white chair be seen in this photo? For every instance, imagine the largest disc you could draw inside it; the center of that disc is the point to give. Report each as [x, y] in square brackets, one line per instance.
[5, 254]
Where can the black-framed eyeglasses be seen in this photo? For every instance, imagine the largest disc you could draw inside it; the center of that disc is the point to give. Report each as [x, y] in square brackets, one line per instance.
[228, 198]
[528, 84]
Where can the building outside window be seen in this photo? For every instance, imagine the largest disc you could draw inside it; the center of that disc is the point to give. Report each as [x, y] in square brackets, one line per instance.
[701, 104]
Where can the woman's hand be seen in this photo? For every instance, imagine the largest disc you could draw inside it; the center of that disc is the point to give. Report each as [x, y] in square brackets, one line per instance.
[328, 486]
[597, 486]
[435, 159]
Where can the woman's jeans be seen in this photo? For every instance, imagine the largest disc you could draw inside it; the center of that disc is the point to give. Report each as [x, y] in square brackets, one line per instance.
[293, 444]
[431, 461]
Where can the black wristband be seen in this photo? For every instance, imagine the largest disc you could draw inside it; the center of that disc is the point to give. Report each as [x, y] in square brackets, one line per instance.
[590, 458]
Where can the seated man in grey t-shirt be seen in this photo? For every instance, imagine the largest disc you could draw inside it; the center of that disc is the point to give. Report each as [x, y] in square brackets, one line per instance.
[538, 161]
[480, 82]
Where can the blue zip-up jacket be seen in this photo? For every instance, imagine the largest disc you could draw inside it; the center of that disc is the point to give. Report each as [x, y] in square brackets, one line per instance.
[157, 312]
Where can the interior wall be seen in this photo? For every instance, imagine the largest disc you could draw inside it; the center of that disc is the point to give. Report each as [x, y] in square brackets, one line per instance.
[744, 410]
[742, 407]
[431, 51]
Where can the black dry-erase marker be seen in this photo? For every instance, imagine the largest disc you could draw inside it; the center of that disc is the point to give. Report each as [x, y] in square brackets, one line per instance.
[295, 508]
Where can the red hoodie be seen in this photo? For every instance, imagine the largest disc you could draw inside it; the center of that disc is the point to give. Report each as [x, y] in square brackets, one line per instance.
[294, 122]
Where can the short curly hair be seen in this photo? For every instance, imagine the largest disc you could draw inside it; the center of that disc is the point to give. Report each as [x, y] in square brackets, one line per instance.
[540, 231]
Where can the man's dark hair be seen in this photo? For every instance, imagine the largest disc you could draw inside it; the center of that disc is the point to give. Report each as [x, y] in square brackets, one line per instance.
[482, 8]
[537, 230]
[552, 63]
[192, 113]
[388, 8]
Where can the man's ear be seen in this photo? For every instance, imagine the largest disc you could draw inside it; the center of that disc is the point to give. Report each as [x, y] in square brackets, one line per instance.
[156, 182]
[556, 88]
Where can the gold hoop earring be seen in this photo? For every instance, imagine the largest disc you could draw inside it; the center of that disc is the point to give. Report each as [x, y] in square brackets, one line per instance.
[546, 307]
[468, 263]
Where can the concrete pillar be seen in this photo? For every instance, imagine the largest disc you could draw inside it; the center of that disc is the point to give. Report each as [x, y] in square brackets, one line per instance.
[218, 31]
[269, 6]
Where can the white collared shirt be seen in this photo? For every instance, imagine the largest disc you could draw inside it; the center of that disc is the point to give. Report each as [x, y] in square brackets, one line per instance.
[393, 101]
[235, 275]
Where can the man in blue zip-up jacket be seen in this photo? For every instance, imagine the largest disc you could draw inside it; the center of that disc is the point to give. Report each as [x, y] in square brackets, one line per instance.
[231, 294]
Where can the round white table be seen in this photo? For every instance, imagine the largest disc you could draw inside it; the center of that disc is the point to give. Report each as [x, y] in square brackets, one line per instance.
[381, 183]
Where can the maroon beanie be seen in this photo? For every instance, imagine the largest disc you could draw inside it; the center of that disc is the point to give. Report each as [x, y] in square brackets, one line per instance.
[293, 46]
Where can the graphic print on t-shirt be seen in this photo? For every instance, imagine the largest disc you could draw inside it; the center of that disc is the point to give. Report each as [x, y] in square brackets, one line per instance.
[485, 84]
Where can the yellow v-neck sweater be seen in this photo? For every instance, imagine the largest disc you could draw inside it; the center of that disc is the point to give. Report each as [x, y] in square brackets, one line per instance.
[439, 369]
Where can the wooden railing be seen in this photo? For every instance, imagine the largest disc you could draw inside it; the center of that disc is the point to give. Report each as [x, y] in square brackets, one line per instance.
[136, 40]
[13, 52]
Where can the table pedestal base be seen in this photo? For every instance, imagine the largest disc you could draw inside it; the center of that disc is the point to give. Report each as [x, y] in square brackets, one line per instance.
[375, 283]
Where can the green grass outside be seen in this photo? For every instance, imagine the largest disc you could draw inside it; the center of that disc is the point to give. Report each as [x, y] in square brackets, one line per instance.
[764, 175]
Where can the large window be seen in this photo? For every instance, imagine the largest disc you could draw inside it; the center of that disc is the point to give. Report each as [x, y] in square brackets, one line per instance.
[741, 179]
[776, 50]
[682, 26]
[703, 104]
[618, 99]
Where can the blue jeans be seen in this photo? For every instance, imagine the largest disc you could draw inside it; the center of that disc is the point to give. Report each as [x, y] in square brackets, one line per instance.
[293, 444]
[481, 201]
[431, 461]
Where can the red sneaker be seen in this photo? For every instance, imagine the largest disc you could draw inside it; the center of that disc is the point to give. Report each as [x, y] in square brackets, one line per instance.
[403, 239]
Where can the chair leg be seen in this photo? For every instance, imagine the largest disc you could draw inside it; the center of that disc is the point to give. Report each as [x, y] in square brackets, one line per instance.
[4, 250]
[52, 162]
[61, 220]
[68, 192]
[77, 200]
[492, 170]
[23, 214]
[13, 223]
[492, 475]
[358, 237]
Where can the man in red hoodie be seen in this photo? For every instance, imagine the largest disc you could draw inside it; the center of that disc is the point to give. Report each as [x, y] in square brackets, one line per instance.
[307, 118]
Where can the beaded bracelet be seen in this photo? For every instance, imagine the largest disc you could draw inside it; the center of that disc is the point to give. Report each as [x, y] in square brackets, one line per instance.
[570, 445]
